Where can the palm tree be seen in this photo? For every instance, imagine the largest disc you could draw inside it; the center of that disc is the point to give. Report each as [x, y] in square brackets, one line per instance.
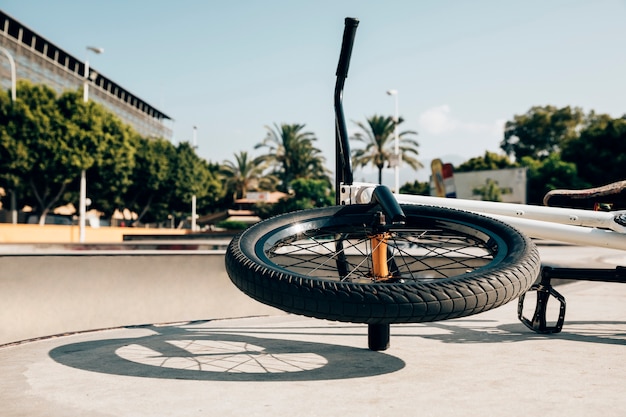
[378, 136]
[245, 174]
[291, 153]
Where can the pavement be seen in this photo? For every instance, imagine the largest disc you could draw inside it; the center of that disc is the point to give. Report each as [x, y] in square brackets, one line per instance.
[287, 365]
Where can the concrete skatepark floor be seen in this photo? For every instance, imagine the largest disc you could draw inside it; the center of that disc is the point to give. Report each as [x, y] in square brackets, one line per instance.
[487, 364]
[286, 365]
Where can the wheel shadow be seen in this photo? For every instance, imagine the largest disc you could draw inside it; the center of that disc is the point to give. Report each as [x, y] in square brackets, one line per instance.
[175, 352]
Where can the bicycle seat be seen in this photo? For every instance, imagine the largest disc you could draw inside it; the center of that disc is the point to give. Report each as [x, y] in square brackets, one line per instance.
[608, 197]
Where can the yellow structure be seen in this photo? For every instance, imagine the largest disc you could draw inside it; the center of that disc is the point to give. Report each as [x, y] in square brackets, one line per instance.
[49, 233]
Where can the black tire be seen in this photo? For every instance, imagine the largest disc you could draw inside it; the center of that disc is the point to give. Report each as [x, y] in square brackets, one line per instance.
[446, 263]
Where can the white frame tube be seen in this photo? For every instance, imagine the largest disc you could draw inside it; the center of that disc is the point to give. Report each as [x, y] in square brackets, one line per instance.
[581, 227]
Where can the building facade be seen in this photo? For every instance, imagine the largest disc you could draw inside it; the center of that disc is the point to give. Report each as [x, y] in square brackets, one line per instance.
[41, 62]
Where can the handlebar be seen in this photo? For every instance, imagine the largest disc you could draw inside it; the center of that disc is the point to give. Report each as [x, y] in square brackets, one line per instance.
[343, 163]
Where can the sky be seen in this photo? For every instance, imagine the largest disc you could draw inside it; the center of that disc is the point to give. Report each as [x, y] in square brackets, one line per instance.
[234, 68]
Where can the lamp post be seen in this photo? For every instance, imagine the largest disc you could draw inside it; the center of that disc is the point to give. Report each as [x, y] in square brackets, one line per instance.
[95, 50]
[13, 77]
[396, 144]
[82, 204]
[193, 197]
[13, 98]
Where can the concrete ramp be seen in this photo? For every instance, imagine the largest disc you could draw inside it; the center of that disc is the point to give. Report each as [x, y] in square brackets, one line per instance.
[55, 294]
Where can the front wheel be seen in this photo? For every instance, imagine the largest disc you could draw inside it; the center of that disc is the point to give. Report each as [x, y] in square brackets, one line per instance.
[344, 263]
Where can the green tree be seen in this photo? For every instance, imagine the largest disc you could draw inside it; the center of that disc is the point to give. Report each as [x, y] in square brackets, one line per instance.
[109, 175]
[55, 144]
[246, 174]
[490, 191]
[291, 154]
[541, 131]
[490, 161]
[216, 191]
[600, 150]
[166, 176]
[150, 192]
[306, 193]
[416, 188]
[14, 154]
[549, 174]
[189, 176]
[379, 139]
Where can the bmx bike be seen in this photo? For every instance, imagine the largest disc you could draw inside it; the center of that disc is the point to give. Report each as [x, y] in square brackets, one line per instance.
[380, 258]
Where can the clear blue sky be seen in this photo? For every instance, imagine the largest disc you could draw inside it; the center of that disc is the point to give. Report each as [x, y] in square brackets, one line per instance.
[462, 68]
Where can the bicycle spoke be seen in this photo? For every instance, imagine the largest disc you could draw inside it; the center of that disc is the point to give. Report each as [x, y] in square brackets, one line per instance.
[413, 253]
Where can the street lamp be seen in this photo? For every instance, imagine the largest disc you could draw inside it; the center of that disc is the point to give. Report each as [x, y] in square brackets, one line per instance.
[13, 77]
[396, 162]
[13, 98]
[193, 197]
[88, 78]
[82, 204]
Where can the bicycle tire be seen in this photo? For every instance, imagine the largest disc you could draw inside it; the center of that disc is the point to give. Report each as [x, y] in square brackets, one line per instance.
[450, 281]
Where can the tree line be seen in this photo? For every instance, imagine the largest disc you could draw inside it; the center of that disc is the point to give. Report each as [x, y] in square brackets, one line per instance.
[47, 139]
[562, 148]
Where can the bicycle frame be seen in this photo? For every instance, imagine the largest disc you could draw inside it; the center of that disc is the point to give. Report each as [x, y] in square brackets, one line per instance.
[582, 227]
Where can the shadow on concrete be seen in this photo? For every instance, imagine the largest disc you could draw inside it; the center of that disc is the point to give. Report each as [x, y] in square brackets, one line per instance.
[175, 352]
[488, 331]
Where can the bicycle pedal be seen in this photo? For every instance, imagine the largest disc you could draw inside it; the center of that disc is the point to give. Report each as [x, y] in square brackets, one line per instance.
[539, 321]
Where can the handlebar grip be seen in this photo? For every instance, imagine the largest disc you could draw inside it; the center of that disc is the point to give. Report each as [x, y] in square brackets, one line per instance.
[349, 33]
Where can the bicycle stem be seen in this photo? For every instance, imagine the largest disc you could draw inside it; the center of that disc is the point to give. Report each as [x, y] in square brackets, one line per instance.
[385, 199]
